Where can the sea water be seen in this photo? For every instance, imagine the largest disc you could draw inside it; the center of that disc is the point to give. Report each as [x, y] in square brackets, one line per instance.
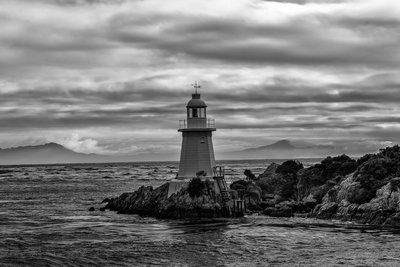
[44, 221]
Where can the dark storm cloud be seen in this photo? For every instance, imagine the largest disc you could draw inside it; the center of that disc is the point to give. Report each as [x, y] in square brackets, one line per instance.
[292, 125]
[315, 40]
[56, 119]
[295, 108]
[131, 92]
[267, 95]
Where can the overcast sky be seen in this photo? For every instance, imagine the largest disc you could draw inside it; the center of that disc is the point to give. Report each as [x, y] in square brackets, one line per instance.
[108, 76]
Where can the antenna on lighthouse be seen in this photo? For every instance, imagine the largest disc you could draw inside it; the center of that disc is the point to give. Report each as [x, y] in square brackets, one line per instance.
[196, 86]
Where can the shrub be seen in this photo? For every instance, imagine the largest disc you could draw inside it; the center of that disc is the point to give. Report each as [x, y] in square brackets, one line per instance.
[249, 174]
[289, 166]
[340, 165]
[240, 184]
[374, 171]
[196, 187]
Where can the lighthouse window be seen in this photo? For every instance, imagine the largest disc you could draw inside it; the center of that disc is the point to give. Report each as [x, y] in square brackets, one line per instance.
[201, 112]
[202, 140]
[195, 113]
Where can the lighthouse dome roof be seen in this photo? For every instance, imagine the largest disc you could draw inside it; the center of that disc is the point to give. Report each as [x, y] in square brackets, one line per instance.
[196, 102]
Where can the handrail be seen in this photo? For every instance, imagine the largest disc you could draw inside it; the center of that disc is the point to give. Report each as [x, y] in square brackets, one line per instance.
[197, 123]
[219, 171]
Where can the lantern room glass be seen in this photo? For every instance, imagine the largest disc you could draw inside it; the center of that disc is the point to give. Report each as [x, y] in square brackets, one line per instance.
[196, 112]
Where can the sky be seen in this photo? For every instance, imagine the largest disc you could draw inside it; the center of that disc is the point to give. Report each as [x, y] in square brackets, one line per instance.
[114, 76]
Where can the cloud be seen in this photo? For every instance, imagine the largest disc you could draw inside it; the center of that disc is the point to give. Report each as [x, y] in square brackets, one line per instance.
[327, 70]
[83, 145]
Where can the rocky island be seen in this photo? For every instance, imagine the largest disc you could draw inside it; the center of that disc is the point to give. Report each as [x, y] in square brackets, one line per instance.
[198, 200]
[365, 190]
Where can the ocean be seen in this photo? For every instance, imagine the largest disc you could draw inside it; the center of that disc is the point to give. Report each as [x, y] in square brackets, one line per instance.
[44, 221]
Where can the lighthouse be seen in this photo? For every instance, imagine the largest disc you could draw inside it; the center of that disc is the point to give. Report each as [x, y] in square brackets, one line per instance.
[197, 152]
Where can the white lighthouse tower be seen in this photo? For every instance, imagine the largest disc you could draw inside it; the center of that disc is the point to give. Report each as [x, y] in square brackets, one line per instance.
[197, 153]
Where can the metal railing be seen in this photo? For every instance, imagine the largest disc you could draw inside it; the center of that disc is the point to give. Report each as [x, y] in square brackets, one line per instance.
[197, 123]
[219, 171]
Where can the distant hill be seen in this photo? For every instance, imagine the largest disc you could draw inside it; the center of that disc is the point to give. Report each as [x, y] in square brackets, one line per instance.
[285, 149]
[280, 145]
[53, 153]
[47, 154]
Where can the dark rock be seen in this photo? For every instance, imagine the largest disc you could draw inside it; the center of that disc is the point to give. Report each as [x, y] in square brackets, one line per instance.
[278, 184]
[289, 167]
[395, 182]
[325, 211]
[321, 177]
[381, 217]
[253, 192]
[239, 185]
[249, 175]
[299, 207]
[331, 195]
[267, 211]
[91, 209]
[106, 200]
[310, 203]
[266, 204]
[346, 211]
[266, 196]
[271, 169]
[102, 209]
[319, 192]
[282, 211]
[307, 179]
[147, 201]
[393, 221]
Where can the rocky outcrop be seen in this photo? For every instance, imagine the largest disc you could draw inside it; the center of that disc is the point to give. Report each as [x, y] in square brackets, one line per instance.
[383, 209]
[365, 191]
[370, 194]
[184, 204]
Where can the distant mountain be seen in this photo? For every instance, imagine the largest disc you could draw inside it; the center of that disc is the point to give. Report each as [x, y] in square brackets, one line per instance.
[280, 145]
[47, 154]
[284, 149]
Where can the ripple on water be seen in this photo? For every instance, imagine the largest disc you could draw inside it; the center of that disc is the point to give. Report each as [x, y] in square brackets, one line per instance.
[44, 222]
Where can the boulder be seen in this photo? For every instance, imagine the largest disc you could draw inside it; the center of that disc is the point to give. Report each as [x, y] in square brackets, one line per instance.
[307, 179]
[310, 202]
[282, 211]
[346, 211]
[106, 200]
[393, 221]
[325, 210]
[271, 169]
